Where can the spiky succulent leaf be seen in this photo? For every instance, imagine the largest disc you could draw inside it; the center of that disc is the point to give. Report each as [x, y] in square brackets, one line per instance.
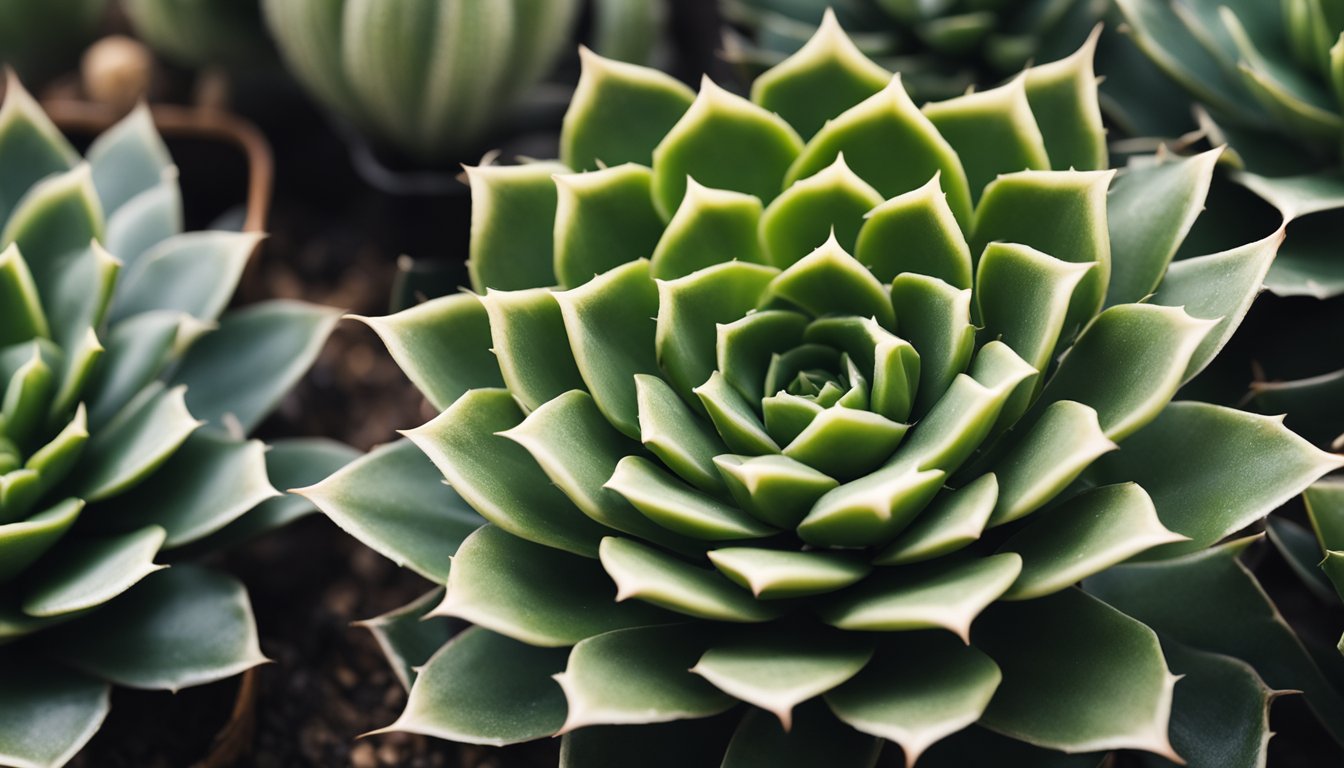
[126, 393]
[726, 459]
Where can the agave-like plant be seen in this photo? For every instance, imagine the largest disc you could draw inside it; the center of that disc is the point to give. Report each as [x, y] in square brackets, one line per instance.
[127, 391]
[430, 78]
[808, 413]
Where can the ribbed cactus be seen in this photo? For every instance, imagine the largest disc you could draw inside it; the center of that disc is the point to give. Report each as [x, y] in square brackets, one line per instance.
[127, 392]
[429, 77]
[809, 412]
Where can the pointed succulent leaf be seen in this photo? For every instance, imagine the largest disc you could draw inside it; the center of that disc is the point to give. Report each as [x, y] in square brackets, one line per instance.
[830, 203]
[408, 635]
[666, 581]
[443, 346]
[1010, 276]
[31, 146]
[619, 113]
[1097, 528]
[1150, 210]
[529, 342]
[181, 627]
[1212, 471]
[774, 573]
[195, 273]
[137, 442]
[1053, 648]
[395, 501]
[915, 231]
[820, 81]
[603, 219]
[726, 142]
[1209, 601]
[673, 433]
[92, 571]
[512, 225]
[870, 132]
[955, 520]
[1063, 96]
[610, 323]
[483, 688]
[776, 489]
[936, 319]
[922, 687]
[936, 596]
[873, 508]
[1220, 715]
[21, 315]
[128, 159]
[993, 132]
[47, 712]
[1046, 458]
[711, 226]
[146, 220]
[638, 676]
[534, 594]
[23, 542]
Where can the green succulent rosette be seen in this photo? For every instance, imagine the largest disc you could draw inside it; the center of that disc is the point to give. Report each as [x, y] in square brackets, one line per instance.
[798, 421]
[126, 392]
[429, 78]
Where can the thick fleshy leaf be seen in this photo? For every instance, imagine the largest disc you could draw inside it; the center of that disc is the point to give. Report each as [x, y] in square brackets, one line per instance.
[872, 509]
[818, 739]
[943, 595]
[550, 433]
[483, 688]
[885, 125]
[678, 436]
[529, 342]
[826, 76]
[535, 594]
[138, 350]
[777, 573]
[512, 225]
[921, 687]
[936, 319]
[779, 671]
[146, 220]
[954, 520]
[611, 330]
[638, 676]
[1325, 507]
[31, 146]
[993, 131]
[91, 571]
[676, 506]
[1022, 296]
[23, 542]
[443, 346]
[831, 203]
[711, 226]
[776, 489]
[1150, 210]
[1220, 716]
[647, 574]
[1128, 364]
[136, 443]
[394, 500]
[1078, 676]
[127, 159]
[726, 142]
[1211, 471]
[1046, 458]
[1075, 229]
[690, 310]
[497, 477]
[1222, 287]
[603, 219]
[209, 481]
[915, 232]
[1063, 96]
[619, 113]
[675, 744]
[21, 316]
[1209, 601]
[1085, 535]
[965, 747]
[47, 712]
[53, 224]
[181, 627]
[408, 636]
[195, 273]
[827, 280]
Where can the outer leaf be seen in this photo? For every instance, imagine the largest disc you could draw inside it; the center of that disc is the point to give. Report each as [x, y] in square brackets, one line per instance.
[408, 636]
[662, 745]
[195, 273]
[483, 688]
[1212, 471]
[1063, 97]
[603, 219]
[1220, 718]
[512, 225]
[394, 500]
[47, 712]
[528, 336]
[637, 676]
[1078, 676]
[91, 571]
[31, 146]
[182, 627]
[619, 113]
[992, 131]
[819, 739]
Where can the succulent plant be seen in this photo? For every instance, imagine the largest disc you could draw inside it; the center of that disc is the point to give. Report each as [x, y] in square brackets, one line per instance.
[127, 391]
[42, 39]
[805, 415]
[197, 33]
[428, 77]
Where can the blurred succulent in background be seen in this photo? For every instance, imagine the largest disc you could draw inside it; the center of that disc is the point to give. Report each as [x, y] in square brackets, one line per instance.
[40, 39]
[127, 392]
[198, 33]
[429, 78]
[808, 413]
